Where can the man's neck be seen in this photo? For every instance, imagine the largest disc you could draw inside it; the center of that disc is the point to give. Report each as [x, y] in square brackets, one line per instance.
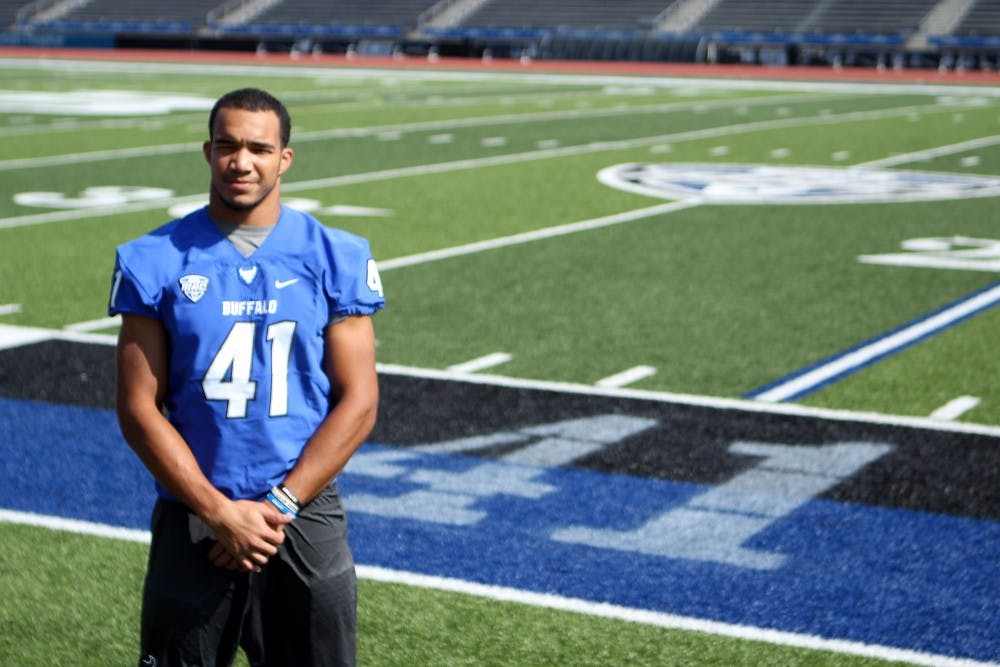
[264, 214]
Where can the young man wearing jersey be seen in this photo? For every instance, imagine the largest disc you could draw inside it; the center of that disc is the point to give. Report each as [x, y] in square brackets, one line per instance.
[246, 380]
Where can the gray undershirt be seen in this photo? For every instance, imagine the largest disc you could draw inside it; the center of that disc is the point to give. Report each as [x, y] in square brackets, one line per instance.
[247, 239]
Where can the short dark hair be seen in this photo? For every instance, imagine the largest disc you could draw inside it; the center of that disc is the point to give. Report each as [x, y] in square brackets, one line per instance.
[253, 99]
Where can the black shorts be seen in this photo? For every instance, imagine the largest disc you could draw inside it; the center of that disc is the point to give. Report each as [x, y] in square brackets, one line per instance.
[301, 609]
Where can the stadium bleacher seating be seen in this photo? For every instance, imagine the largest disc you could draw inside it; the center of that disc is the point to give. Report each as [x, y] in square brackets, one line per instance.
[568, 14]
[191, 12]
[8, 13]
[893, 17]
[755, 16]
[983, 19]
[401, 13]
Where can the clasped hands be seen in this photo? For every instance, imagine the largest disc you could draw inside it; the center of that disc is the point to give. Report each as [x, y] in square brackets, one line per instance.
[247, 534]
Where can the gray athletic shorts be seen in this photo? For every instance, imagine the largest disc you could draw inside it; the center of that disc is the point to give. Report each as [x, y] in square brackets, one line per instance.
[301, 609]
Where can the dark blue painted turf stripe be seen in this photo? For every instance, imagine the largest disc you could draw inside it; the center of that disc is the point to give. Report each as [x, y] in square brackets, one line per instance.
[832, 369]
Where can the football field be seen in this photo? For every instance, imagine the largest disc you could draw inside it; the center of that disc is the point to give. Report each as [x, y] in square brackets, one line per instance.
[676, 370]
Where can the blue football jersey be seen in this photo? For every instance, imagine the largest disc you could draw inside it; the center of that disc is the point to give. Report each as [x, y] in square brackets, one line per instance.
[247, 386]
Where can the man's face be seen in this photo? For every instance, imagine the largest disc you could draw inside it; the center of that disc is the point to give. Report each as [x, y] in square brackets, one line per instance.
[246, 159]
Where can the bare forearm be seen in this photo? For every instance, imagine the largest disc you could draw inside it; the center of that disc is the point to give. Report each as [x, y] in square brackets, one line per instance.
[169, 459]
[331, 447]
[350, 365]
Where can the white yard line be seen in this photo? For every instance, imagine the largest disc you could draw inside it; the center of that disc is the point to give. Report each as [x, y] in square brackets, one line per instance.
[956, 407]
[551, 601]
[95, 325]
[627, 377]
[481, 363]
[536, 235]
[930, 153]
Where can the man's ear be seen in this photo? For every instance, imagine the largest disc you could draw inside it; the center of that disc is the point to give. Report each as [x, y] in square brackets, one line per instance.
[286, 160]
[206, 148]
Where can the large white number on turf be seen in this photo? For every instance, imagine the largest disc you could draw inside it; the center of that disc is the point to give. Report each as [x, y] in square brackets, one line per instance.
[718, 525]
[715, 525]
[234, 361]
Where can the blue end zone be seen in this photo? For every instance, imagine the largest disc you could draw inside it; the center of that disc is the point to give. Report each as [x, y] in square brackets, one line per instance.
[71, 462]
[909, 579]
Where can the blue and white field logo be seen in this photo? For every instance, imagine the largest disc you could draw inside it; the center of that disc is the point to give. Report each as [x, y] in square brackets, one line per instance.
[765, 184]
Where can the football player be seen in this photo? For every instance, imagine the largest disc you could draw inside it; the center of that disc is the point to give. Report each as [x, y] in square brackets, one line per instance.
[246, 380]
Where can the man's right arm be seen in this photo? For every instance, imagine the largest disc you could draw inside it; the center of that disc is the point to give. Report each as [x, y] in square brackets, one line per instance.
[247, 531]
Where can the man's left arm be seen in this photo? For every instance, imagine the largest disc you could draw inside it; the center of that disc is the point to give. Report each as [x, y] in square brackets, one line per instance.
[350, 365]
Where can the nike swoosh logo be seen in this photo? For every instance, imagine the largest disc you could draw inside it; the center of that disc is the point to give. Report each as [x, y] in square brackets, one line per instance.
[282, 284]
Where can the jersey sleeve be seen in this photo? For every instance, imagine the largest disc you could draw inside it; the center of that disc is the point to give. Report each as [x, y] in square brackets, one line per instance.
[128, 294]
[352, 281]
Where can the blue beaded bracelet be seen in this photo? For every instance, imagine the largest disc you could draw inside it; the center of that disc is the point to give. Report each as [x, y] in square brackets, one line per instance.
[283, 506]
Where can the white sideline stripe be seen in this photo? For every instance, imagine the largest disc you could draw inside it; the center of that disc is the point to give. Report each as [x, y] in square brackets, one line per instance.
[74, 526]
[955, 408]
[487, 361]
[536, 235]
[549, 601]
[627, 376]
[745, 405]
[663, 620]
[16, 336]
[859, 357]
